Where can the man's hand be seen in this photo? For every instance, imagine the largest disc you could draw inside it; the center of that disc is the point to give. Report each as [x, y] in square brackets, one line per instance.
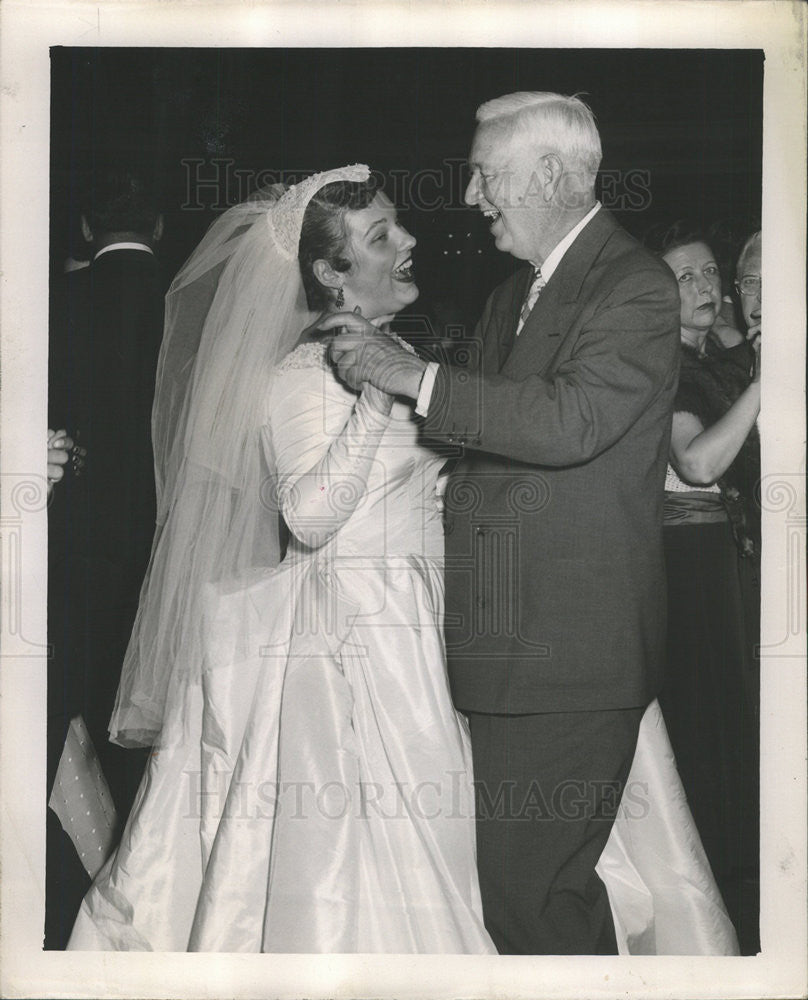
[362, 353]
[59, 448]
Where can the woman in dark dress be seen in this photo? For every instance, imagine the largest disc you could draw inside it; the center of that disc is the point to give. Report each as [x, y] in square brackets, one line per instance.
[712, 545]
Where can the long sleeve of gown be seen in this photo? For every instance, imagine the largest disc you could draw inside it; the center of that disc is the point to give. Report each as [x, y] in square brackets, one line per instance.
[323, 440]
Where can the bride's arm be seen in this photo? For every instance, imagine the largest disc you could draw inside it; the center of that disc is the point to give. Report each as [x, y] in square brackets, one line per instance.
[324, 444]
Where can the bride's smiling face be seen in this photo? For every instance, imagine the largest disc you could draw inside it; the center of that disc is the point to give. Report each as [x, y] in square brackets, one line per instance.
[380, 280]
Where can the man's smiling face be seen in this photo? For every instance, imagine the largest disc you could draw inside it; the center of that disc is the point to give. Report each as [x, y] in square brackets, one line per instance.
[507, 186]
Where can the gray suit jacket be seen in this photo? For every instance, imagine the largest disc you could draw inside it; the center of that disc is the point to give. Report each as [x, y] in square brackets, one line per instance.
[554, 563]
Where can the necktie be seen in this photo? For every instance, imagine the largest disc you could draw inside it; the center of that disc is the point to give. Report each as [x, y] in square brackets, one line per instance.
[532, 295]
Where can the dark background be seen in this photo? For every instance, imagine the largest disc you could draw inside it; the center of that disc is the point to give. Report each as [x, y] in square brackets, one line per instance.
[681, 133]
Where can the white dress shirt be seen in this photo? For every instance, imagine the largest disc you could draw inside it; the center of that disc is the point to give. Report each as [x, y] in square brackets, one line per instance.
[124, 246]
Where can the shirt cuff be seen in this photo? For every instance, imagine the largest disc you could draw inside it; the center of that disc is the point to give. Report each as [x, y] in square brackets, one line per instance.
[425, 390]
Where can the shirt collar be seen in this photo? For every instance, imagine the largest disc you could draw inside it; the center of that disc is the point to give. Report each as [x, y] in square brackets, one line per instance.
[553, 258]
[124, 246]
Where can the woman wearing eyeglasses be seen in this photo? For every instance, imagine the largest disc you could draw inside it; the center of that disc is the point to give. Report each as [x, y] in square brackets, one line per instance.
[712, 547]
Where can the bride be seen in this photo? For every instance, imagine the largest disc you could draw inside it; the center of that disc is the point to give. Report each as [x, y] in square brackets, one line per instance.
[309, 789]
[310, 785]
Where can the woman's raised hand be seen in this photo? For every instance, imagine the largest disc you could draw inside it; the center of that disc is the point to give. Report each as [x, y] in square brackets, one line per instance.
[753, 336]
[362, 353]
[331, 322]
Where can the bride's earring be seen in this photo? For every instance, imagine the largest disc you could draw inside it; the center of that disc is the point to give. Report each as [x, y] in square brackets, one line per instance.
[339, 302]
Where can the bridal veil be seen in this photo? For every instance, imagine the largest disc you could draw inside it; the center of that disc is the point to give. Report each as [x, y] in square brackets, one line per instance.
[235, 309]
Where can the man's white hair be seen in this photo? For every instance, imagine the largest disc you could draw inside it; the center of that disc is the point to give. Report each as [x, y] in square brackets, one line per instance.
[564, 124]
[752, 244]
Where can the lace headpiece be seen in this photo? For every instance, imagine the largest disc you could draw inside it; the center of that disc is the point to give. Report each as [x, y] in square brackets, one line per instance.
[285, 218]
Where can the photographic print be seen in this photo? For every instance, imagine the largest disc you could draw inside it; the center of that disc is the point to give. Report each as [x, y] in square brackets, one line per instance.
[415, 570]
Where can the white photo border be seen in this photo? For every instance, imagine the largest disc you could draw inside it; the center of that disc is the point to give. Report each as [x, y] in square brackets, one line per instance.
[28, 30]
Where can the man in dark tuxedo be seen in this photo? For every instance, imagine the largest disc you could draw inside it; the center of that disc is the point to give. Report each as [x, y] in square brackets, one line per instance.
[555, 605]
[105, 333]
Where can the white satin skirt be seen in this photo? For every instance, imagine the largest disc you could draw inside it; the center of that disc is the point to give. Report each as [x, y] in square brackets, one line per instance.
[663, 896]
[314, 792]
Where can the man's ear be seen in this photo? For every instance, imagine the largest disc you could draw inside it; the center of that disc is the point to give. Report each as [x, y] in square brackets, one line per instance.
[157, 234]
[552, 170]
[86, 232]
[326, 274]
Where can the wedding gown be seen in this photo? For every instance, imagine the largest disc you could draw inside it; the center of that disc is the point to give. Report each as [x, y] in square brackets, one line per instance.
[314, 793]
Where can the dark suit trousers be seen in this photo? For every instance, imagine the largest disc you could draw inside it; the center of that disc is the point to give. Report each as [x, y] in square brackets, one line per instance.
[547, 789]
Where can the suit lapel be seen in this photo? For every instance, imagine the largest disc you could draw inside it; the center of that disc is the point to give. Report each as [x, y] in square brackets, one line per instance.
[552, 316]
[511, 316]
[578, 260]
[540, 336]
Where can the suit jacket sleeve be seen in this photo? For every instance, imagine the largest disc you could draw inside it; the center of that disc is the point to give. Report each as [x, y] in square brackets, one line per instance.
[623, 355]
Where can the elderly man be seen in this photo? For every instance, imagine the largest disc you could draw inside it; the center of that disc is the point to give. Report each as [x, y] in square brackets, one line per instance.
[747, 284]
[555, 600]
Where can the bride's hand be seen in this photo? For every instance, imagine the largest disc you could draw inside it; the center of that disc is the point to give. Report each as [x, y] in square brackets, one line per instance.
[329, 324]
[351, 322]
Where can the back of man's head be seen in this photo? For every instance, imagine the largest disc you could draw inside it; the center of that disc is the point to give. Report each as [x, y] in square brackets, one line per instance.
[120, 200]
[561, 124]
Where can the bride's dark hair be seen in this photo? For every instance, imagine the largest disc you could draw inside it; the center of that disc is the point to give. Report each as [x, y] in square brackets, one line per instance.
[324, 235]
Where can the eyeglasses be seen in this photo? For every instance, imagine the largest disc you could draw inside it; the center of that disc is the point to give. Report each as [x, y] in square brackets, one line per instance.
[749, 285]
